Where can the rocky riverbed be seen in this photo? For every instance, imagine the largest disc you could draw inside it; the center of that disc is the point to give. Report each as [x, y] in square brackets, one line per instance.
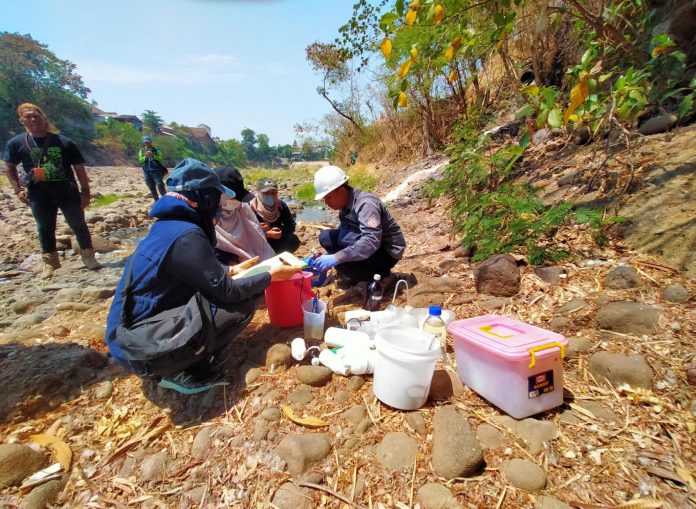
[625, 431]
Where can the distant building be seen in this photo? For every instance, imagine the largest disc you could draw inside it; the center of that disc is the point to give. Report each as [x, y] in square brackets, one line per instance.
[202, 134]
[130, 119]
[166, 130]
[280, 162]
[102, 116]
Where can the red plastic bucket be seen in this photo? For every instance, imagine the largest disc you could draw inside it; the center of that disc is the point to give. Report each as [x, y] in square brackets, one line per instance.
[284, 299]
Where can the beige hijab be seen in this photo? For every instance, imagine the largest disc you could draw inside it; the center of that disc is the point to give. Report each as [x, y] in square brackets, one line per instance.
[239, 232]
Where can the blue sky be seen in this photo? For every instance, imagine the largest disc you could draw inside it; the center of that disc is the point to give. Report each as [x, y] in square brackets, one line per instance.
[229, 64]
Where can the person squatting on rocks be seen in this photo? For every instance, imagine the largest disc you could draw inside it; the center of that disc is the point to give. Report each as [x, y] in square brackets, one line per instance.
[153, 169]
[275, 216]
[170, 265]
[368, 240]
[239, 234]
[50, 162]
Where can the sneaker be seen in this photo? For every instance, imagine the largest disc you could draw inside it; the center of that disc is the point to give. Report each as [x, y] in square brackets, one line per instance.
[192, 383]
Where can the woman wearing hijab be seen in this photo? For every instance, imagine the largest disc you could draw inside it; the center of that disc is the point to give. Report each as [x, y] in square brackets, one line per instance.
[239, 234]
[275, 217]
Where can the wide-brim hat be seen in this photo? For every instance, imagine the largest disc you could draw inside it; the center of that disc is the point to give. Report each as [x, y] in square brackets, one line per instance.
[193, 175]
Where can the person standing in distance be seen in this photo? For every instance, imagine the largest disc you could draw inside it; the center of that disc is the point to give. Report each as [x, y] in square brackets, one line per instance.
[153, 169]
[368, 240]
[50, 162]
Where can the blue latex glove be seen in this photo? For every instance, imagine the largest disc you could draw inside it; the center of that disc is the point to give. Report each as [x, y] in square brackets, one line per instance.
[325, 262]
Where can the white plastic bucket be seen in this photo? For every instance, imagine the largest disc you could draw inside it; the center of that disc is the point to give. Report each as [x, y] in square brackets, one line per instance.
[313, 322]
[406, 358]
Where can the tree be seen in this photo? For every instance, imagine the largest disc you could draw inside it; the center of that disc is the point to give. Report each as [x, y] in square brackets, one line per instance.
[264, 150]
[152, 121]
[30, 72]
[249, 143]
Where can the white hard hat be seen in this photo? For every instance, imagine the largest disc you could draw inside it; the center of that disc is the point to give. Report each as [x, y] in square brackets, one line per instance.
[328, 178]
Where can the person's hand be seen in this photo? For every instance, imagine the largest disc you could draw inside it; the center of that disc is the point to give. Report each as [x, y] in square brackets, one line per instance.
[85, 198]
[148, 153]
[325, 262]
[283, 272]
[236, 269]
[274, 233]
[265, 226]
[23, 196]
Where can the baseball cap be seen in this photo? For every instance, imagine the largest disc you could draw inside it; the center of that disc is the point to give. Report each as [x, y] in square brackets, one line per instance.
[266, 184]
[191, 175]
[147, 138]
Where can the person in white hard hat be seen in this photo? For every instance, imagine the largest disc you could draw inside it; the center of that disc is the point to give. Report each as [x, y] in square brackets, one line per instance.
[368, 240]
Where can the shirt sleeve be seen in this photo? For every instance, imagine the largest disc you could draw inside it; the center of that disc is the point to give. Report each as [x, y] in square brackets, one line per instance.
[370, 219]
[11, 154]
[192, 260]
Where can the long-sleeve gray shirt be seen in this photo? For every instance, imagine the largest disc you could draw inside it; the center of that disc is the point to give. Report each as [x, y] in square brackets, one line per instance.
[366, 219]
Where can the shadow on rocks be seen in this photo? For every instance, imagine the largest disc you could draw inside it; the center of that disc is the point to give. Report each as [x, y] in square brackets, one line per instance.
[38, 378]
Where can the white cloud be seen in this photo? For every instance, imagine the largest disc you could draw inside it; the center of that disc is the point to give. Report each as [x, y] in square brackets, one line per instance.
[273, 69]
[188, 70]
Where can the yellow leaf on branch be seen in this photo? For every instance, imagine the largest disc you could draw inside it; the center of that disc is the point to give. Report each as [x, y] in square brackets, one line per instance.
[59, 448]
[578, 95]
[414, 54]
[453, 75]
[415, 5]
[439, 14]
[403, 100]
[386, 48]
[662, 48]
[449, 53]
[310, 422]
[403, 69]
[411, 17]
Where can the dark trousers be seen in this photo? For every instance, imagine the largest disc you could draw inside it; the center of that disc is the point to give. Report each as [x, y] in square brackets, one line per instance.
[229, 322]
[45, 199]
[154, 183]
[289, 242]
[380, 262]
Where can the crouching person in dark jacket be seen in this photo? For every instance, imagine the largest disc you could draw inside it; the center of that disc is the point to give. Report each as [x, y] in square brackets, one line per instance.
[175, 266]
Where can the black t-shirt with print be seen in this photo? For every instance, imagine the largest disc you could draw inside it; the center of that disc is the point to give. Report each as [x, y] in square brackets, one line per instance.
[61, 154]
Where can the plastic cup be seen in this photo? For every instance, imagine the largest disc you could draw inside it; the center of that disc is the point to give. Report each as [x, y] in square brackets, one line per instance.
[313, 322]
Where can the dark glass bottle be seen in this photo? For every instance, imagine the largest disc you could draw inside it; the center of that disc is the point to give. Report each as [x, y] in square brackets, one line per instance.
[375, 292]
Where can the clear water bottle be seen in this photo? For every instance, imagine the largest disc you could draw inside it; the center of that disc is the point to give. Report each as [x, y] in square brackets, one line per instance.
[375, 292]
[434, 324]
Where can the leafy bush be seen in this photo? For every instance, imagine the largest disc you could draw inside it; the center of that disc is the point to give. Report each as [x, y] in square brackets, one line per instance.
[359, 177]
[306, 192]
[493, 214]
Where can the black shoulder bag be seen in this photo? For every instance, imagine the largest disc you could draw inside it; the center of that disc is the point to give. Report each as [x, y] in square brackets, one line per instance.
[167, 342]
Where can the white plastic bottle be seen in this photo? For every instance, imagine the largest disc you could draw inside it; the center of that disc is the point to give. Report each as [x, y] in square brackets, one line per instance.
[360, 360]
[408, 318]
[336, 336]
[333, 362]
[434, 324]
[298, 349]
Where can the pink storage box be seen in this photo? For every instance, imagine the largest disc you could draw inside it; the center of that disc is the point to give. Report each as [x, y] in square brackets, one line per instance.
[516, 366]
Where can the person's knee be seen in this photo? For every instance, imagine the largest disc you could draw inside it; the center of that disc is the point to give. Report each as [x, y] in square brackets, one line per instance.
[326, 241]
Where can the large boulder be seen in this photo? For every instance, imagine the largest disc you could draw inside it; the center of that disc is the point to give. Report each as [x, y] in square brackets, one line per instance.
[499, 275]
[628, 318]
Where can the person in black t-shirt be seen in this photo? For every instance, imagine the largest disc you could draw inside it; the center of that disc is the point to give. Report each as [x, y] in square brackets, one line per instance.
[47, 183]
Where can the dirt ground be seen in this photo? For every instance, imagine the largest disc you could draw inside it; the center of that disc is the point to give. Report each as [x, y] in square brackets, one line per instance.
[636, 447]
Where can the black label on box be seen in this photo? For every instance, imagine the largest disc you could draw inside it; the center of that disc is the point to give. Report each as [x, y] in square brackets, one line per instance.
[540, 384]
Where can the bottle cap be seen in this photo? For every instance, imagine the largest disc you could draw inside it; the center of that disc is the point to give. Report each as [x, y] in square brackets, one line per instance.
[435, 310]
[377, 277]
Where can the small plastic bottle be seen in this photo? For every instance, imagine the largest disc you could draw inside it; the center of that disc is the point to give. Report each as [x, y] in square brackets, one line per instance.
[298, 349]
[408, 318]
[375, 292]
[333, 362]
[434, 324]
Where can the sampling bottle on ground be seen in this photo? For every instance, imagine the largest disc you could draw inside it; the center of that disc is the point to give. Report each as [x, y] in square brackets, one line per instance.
[408, 318]
[374, 295]
[434, 324]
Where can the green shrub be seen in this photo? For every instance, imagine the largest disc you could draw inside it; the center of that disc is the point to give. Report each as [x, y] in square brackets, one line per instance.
[492, 213]
[103, 200]
[359, 177]
[306, 192]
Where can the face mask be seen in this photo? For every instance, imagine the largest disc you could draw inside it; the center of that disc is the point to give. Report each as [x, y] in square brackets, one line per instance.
[267, 199]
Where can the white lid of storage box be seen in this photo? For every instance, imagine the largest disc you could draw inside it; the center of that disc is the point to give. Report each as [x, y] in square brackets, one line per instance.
[506, 337]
